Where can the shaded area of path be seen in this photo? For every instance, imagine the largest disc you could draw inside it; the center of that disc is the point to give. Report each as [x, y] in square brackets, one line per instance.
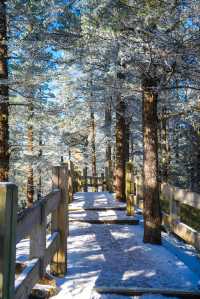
[102, 255]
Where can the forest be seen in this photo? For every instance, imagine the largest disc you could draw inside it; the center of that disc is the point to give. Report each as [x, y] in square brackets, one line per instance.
[105, 93]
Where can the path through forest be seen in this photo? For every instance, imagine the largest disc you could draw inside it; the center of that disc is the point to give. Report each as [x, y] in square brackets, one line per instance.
[113, 255]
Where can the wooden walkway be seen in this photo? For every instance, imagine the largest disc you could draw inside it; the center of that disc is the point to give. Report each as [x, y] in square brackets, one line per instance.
[107, 258]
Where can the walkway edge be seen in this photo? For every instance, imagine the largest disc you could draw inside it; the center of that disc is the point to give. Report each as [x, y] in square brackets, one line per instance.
[142, 291]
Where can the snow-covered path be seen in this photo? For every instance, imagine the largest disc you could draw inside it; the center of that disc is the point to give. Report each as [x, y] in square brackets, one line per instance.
[113, 255]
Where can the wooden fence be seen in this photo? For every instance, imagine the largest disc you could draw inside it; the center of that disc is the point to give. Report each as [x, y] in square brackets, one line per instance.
[172, 221]
[94, 182]
[32, 223]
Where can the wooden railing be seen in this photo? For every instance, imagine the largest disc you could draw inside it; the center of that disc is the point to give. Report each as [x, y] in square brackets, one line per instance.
[32, 223]
[91, 181]
[172, 221]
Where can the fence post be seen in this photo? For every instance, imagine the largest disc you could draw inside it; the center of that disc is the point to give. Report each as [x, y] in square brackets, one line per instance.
[109, 176]
[174, 209]
[79, 181]
[129, 179]
[8, 216]
[73, 180]
[85, 185]
[94, 183]
[70, 181]
[102, 182]
[139, 192]
[60, 220]
[38, 240]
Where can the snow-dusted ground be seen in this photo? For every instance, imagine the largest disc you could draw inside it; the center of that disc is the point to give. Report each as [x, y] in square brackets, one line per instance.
[115, 256]
[102, 255]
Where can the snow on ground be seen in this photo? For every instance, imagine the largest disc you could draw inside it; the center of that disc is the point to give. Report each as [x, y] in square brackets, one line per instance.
[102, 255]
[115, 256]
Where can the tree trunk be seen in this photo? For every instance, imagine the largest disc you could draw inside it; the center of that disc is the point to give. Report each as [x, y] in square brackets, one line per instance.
[127, 141]
[4, 99]
[108, 122]
[30, 180]
[108, 166]
[120, 163]
[152, 211]
[39, 193]
[165, 151]
[93, 145]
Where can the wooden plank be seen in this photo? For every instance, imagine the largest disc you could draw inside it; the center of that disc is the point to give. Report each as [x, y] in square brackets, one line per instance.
[38, 239]
[52, 201]
[52, 246]
[183, 231]
[8, 208]
[188, 234]
[27, 220]
[154, 291]
[32, 273]
[114, 221]
[189, 198]
[120, 208]
[182, 195]
[27, 279]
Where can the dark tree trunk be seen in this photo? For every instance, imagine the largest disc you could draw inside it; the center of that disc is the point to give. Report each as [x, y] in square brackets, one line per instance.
[4, 99]
[30, 189]
[120, 161]
[152, 212]
[127, 141]
[93, 145]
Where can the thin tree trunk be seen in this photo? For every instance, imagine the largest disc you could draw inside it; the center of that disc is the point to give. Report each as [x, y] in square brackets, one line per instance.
[93, 145]
[30, 180]
[152, 212]
[108, 168]
[120, 162]
[165, 151]
[4, 98]
[39, 195]
[108, 122]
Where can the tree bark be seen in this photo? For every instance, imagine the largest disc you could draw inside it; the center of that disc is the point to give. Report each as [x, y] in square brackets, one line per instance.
[120, 162]
[152, 211]
[108, 165]
[165, 151]
[127, 141]
[39, 192]
[4, 98]
[108, 122]
[93, 145]
[30, 179]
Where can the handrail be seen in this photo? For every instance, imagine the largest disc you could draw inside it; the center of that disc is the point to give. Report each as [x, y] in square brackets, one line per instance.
[32, 223]
[172, 220]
